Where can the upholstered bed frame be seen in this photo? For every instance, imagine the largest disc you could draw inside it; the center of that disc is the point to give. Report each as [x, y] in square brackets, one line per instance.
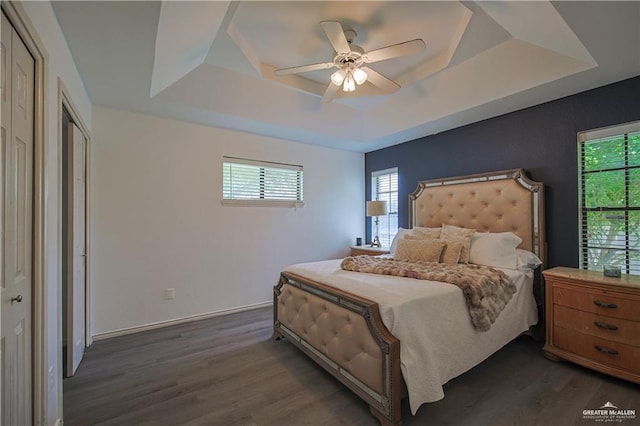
[344, 333]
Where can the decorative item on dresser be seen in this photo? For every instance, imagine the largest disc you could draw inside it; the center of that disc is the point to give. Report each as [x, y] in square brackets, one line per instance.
[594, 321]
[368, 251]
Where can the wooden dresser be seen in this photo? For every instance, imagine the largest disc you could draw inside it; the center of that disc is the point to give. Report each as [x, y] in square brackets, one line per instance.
[594, 321]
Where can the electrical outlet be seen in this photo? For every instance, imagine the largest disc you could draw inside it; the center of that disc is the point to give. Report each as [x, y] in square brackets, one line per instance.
[170, 293]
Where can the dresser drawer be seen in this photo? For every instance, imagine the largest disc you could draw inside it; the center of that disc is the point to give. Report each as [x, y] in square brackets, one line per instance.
[609, 328]
[597, 301]
[607, 352]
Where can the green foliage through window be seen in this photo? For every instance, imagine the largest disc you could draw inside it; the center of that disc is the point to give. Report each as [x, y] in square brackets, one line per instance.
[610, 200]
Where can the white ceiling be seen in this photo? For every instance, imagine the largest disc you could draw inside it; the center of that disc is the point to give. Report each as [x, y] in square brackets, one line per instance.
[212, 62]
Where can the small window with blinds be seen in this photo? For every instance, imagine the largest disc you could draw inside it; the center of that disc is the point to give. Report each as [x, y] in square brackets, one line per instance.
[384, 187]
[251, 182]
[609, 198]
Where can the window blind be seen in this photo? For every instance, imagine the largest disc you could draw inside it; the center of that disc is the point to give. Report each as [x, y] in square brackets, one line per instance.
[609, 198]
[384, 187]
[261, 182]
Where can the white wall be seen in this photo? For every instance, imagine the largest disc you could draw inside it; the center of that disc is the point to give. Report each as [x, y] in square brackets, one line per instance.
[60, 64]
[157, 220]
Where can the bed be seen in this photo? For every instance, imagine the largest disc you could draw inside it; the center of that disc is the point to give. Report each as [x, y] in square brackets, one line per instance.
[356, 325]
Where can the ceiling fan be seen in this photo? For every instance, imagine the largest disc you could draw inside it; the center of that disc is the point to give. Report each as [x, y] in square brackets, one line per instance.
[350, 58]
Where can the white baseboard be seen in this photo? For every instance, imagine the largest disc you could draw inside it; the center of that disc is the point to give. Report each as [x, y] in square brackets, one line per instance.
[153, 326]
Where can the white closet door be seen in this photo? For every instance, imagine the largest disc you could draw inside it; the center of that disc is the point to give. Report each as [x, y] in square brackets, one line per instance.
[77, 254]
[17, 215]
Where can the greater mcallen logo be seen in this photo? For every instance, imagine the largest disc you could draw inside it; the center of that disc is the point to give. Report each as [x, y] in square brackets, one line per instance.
[609, 413]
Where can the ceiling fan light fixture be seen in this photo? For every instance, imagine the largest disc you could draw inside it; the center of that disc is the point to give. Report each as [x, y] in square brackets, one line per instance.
[349, 83]
[360, 76]
[338, 77]
[349, 57]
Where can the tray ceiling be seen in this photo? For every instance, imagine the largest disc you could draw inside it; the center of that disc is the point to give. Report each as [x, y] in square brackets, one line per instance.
[212, 62]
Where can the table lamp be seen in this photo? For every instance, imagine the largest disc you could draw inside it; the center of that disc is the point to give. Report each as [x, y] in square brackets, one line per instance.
[375, 209]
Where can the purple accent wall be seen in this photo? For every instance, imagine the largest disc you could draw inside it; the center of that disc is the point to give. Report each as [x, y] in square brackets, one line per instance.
[541, 139]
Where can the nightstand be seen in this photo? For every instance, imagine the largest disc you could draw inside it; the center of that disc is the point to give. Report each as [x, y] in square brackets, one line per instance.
[594, 321]
[368, 251]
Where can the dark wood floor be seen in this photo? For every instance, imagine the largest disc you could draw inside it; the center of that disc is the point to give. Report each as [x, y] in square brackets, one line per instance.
[227, 371]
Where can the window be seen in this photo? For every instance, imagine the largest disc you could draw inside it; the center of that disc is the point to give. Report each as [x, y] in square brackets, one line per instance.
[609, 198]
[384, 187]
[261, 183]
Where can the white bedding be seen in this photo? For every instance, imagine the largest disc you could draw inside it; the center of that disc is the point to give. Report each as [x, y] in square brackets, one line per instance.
[437, 340]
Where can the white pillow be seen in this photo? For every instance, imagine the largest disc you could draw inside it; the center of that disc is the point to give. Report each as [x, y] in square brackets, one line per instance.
[527, 259]
[494, 249]
[399, 236]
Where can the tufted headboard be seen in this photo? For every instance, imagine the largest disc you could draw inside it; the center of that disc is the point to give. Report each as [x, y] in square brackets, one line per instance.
[489, 202]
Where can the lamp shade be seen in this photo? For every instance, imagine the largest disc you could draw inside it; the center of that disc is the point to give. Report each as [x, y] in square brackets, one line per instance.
[359, 75]
[349, 83]
[338, 77]
[377, 208]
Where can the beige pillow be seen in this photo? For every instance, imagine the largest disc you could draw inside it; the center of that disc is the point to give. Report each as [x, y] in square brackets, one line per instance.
[421, 237]
[451, 252]
[419, 250]
[452, 233]
[421, 231]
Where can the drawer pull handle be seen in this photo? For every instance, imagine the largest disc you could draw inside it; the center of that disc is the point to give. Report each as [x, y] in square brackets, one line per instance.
[605, 304]
[605, 350]
[605, 325]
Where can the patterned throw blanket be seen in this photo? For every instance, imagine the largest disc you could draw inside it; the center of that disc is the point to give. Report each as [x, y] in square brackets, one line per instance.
[486, 290]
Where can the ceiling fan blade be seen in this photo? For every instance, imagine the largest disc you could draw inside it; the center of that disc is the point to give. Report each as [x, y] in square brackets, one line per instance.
[380, 81]
[303, 68]
[330, 93]
[395, 50]
[336, 37]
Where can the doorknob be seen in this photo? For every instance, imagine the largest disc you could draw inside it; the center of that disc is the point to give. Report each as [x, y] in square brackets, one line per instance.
[18, 299]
